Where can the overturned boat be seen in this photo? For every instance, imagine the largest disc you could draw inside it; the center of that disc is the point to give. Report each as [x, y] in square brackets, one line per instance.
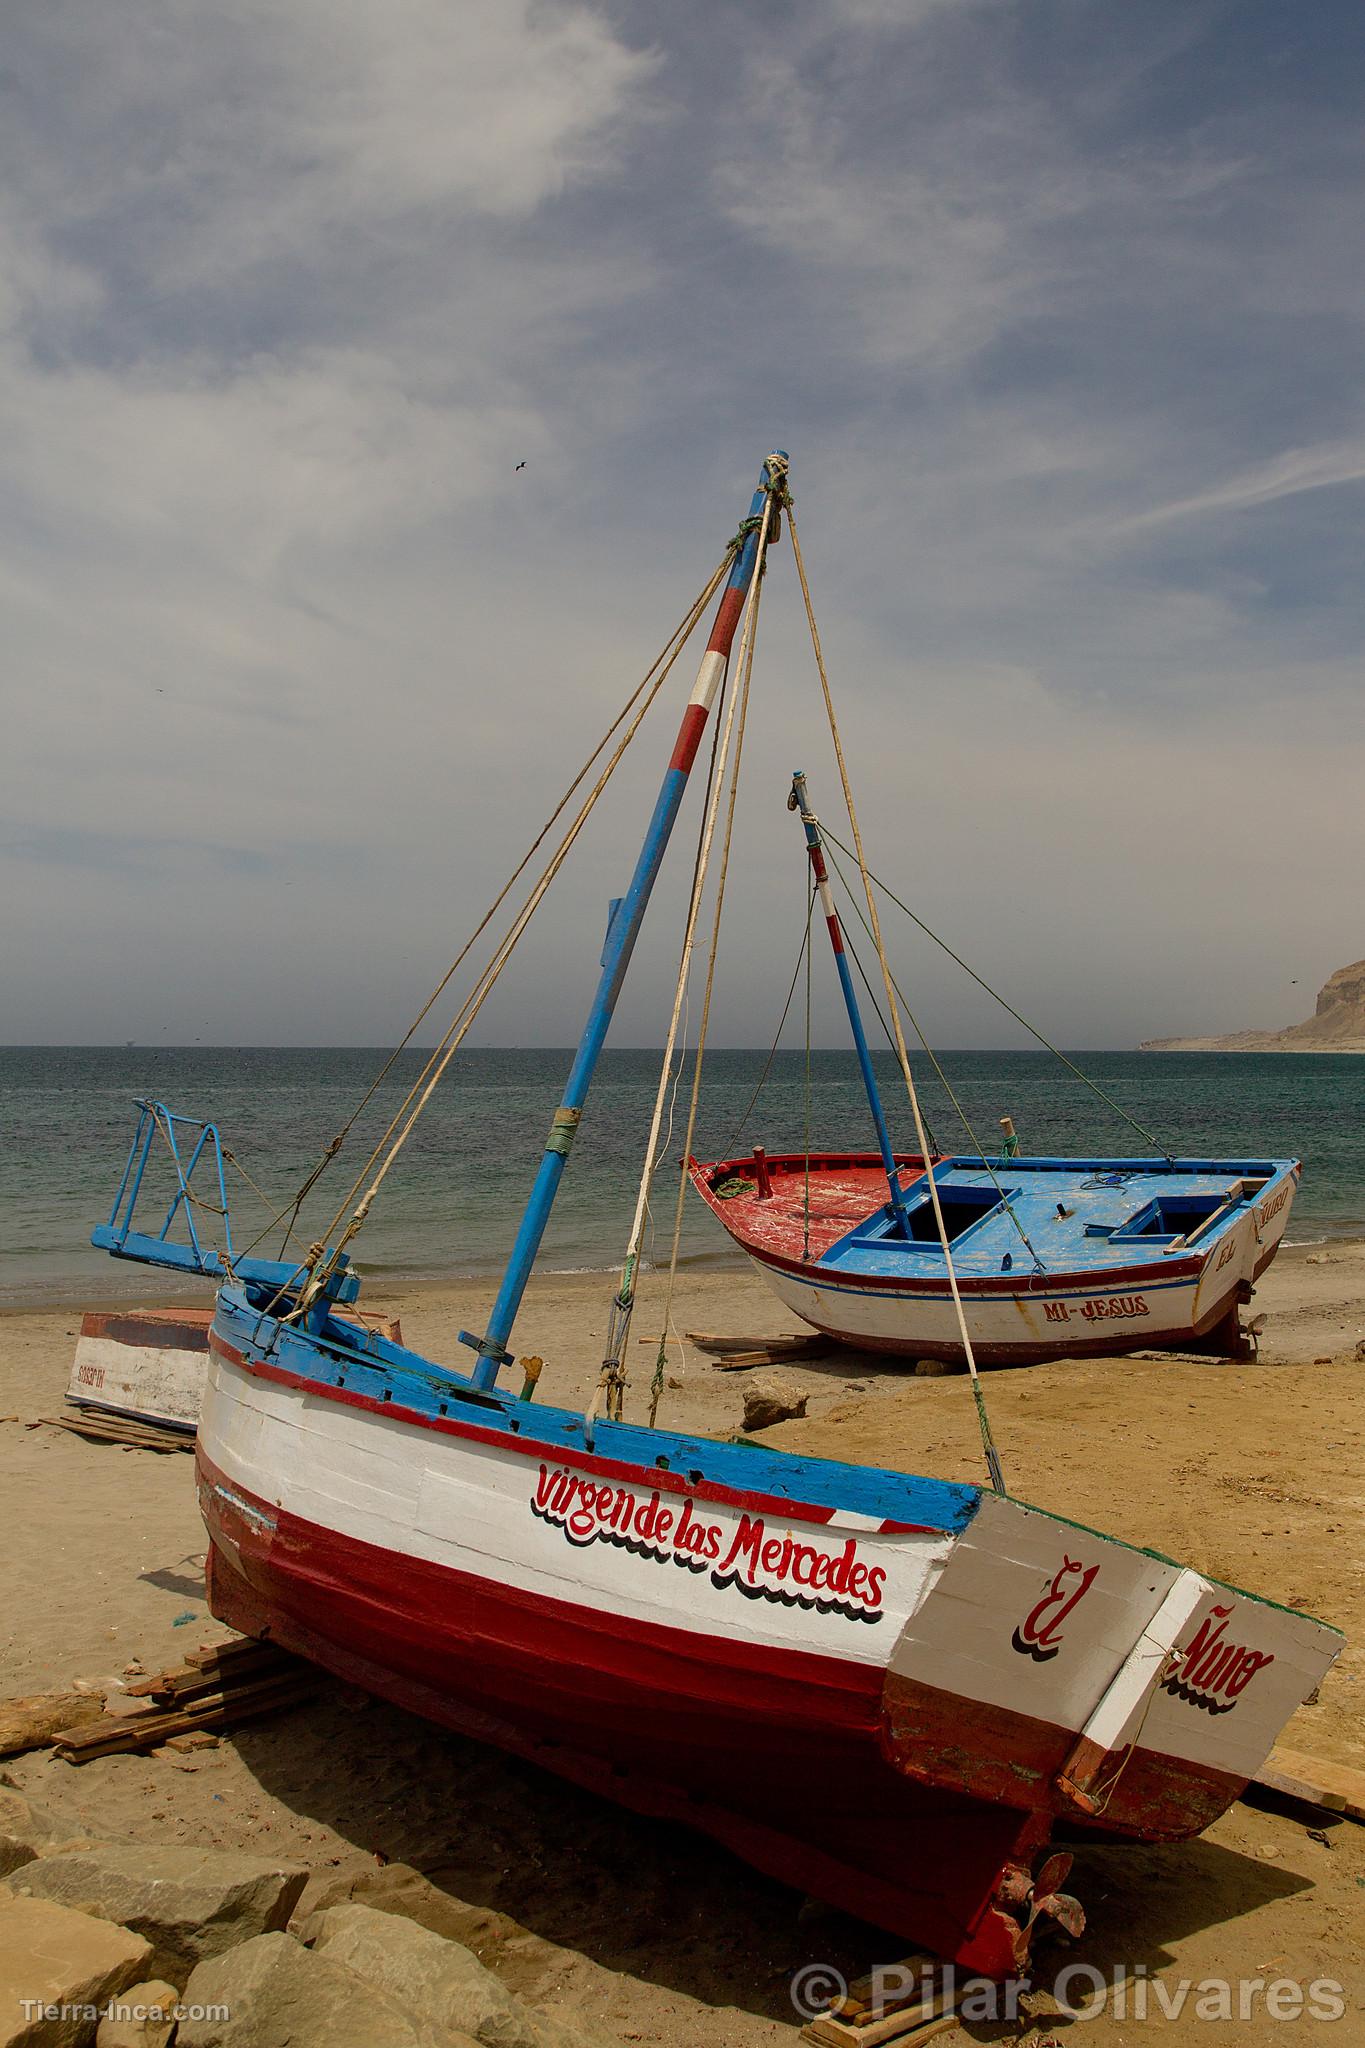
[890, 1690]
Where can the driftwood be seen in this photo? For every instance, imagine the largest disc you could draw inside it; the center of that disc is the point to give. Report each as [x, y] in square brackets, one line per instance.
[36, 1721]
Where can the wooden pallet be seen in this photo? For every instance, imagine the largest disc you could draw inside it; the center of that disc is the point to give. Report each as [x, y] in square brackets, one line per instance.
[215, 1688]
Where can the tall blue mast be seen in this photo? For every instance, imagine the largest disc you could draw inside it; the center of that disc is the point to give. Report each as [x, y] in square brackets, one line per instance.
[622, 933]
[799, 800]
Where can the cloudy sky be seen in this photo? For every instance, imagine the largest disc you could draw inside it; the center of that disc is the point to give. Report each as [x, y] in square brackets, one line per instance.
[1058, 308]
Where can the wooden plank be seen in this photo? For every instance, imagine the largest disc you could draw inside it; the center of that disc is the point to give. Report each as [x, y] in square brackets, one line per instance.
[1339, 1788]
[787, 1345]
[911, 1971]
[112, 1429]
[910, 2024]
[82, 1746]
[192, 1679]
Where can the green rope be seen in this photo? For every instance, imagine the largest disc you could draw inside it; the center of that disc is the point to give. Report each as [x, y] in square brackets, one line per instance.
[1032, 1029]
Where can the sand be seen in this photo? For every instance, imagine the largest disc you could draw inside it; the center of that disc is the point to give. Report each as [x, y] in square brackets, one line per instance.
[1253, 1472]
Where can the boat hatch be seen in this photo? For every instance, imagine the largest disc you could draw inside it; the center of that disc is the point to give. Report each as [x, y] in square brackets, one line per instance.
[1171, 1216]
[962, 1208]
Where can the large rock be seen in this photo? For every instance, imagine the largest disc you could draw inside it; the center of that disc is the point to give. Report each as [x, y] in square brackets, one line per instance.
[189, 1903]
[143, 2016]
[27, 1830]
[273, 1993]
[772, 1397]
[58, 1969]
[446, 1989]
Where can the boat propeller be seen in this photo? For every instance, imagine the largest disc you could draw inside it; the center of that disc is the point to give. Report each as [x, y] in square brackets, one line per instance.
[1041, 1896]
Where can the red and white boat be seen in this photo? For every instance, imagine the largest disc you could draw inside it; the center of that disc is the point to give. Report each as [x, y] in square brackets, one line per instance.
[888, 1689]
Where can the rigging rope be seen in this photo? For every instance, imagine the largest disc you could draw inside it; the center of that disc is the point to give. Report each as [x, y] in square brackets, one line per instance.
[739, 710]
[987, 1442]
[610, 1389]
[934, 1062]
[1080, 1074]
[781, 1024]
[417, 1097]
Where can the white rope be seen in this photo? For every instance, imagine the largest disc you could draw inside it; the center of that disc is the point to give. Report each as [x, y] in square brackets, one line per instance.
[623, 1304]
[902, 1052]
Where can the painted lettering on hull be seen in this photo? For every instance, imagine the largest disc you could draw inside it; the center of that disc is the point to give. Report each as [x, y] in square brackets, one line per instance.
[1098, 1309]
[1039, 1634]
[1212, 1673]
[746, 1556]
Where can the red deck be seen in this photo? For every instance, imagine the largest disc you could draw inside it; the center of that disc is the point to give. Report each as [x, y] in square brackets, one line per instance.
[844, 1187]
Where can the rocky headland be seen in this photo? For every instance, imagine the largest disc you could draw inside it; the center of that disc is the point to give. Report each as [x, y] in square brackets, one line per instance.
[1336, 1025]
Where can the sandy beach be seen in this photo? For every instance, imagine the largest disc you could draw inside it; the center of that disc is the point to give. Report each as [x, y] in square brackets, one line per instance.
[1250, 1471]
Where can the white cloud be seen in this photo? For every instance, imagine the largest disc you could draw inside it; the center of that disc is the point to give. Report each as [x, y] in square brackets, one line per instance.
[1284, 476]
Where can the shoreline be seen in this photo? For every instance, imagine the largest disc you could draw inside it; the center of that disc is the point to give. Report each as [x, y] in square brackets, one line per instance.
[162, 1289]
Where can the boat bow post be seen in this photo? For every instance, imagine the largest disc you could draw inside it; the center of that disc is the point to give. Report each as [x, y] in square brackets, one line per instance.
[622, 933]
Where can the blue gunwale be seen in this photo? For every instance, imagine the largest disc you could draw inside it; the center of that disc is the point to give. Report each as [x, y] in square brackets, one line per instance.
[373, 1369]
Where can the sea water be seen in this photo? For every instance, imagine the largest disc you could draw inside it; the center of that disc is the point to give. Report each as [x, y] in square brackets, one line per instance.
[451, 1204]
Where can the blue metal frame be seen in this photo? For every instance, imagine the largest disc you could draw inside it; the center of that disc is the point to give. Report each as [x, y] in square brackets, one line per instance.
[158, 1248]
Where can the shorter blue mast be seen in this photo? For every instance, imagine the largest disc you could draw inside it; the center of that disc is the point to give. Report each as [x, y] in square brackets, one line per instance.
[799, 801]
[627, 918]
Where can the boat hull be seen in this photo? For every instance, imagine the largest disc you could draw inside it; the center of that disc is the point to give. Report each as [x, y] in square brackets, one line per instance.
[1186, 1300]
[788, 1676]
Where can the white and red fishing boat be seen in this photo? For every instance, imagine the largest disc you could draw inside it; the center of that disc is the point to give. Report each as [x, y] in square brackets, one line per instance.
[1014, 1260]
[888, 1689]
[1052, 1257]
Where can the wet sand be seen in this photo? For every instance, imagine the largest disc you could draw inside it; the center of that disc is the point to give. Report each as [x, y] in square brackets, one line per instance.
[1253, 1472]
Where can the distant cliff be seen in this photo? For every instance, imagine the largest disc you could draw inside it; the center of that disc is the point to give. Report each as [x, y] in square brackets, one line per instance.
[1337, 1025]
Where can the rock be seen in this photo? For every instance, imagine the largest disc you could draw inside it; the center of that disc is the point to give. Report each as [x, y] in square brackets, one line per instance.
[439, 1983]
[141, 2017]
[276, 1994]
[932, 1368]
[399, 1889]
[34, 1721]
[27, 1831]
[1360, 1349]
[771, 1397]
[53, 1957]
[189, 1903]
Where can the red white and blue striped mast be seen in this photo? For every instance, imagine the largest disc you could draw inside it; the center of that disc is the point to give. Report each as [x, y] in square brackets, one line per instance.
[624, 929]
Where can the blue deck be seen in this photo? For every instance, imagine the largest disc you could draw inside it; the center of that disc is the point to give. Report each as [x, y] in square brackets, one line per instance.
[1078, 1215]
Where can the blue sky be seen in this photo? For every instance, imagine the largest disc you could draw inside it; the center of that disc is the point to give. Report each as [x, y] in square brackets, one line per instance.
[1057, 306]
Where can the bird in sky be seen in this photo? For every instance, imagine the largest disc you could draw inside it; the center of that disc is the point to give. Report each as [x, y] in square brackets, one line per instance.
[520, 465]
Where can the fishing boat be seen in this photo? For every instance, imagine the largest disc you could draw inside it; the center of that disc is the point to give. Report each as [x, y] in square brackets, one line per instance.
[1024, 1259]
[889, 1689]
[1053, 1257]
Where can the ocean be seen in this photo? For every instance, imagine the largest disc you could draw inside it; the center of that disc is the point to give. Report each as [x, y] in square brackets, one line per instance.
[451, 1204]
